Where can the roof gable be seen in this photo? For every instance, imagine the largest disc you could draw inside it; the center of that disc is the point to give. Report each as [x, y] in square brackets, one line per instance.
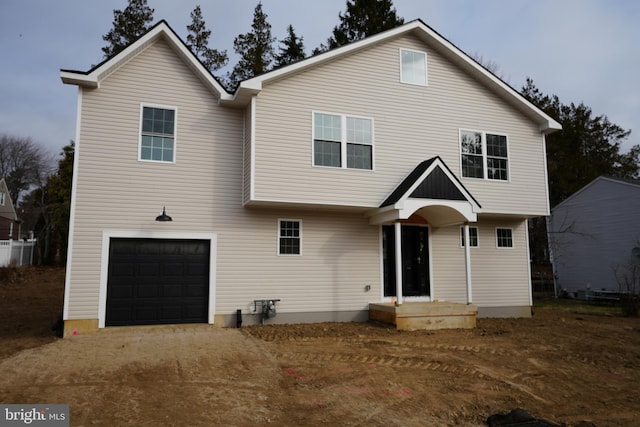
[161, 30]
[601, 179]
[7, 210]
[253, 86]
[425, 33]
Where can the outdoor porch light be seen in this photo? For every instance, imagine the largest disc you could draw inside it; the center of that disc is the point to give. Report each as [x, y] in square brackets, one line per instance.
[164, 216]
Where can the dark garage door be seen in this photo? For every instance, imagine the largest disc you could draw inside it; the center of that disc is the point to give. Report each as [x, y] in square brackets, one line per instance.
[156, 281]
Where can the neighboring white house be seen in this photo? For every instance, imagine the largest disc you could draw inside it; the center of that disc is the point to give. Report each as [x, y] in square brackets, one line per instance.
[14, 249]
[592, 232]
[321, 184]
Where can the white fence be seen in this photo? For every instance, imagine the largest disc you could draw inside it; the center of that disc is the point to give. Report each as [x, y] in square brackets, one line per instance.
[16, 252]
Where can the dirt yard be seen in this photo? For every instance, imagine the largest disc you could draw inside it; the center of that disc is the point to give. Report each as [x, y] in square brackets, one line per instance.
[565, 365]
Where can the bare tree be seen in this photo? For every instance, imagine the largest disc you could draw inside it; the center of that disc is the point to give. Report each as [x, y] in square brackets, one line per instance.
[628, 277]
[23, 164]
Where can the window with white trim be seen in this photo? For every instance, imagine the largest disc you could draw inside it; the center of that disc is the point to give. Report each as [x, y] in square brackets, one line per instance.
[157, 134]
[484, 155]
[473, 237]
[2, 196]
[504, 237]
[337, 137]
[289, 236]
[413, 67]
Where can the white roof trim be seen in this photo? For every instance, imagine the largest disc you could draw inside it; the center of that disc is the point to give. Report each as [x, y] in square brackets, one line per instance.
[93, 77]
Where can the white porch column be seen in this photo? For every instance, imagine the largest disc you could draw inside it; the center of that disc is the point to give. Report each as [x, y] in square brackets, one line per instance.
[398, 244]
[467, 262]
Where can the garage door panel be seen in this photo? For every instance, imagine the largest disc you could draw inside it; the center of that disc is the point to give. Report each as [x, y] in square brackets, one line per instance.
[123, 269]
[120, 292]
[172, 290]
[157, 281]
[174, 269]
[195, 291]
[148, 291]
[148, 269]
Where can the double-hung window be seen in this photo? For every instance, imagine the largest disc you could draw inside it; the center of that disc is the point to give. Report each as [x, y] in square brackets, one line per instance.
[342, 141]
[157, 134]
[484, 155]
[289, 235]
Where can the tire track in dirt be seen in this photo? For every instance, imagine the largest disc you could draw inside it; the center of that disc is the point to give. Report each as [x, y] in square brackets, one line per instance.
[381, 360]
[408, 344]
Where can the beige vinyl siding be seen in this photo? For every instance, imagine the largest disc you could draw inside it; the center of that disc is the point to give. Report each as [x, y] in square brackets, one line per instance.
[202, 191]
[411, 123]
[500, 276]
[115, 191]
[447, 264]
[339, 256]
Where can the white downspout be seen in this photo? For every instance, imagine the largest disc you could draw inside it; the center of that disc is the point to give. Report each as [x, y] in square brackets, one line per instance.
[398, 244]
[467, 263]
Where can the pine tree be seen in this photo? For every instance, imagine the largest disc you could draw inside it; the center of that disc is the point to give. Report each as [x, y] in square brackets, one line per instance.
[255, 49]
[198, 42]
[291, 49]
[128, 26]
[363, 18]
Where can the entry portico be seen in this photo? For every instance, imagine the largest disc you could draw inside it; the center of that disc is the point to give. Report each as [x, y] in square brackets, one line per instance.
[432, 194]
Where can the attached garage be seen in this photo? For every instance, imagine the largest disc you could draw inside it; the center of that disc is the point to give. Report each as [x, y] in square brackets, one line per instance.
[157, 281]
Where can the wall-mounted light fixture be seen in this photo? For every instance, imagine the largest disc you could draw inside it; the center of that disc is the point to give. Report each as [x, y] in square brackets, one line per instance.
[164, 216]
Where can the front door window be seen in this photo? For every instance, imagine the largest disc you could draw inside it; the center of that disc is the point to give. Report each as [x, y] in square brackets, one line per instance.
[415, 261]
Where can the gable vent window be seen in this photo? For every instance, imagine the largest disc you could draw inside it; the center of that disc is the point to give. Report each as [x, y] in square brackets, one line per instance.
[157, 136]
[413, 67]
[337, 137]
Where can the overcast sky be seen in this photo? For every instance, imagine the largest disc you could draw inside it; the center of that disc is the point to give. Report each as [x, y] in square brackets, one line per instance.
[581, 50]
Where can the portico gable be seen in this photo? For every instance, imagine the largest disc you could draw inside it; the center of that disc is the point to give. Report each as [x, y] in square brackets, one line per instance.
[431, 191]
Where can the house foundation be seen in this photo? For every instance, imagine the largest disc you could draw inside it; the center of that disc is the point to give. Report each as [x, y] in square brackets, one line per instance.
[412, 316]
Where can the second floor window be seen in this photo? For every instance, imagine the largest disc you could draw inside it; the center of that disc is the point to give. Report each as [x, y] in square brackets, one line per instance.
[484, 155]
[338, 137]
[157, 136]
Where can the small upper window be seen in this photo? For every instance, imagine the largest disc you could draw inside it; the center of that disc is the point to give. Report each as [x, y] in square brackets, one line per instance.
[1, 198]
[289, 237]
[504, 237]
[473, 237]
[157, 138]
[413, 67]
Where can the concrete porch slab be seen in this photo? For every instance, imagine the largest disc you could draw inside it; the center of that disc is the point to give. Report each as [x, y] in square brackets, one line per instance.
[411, 316]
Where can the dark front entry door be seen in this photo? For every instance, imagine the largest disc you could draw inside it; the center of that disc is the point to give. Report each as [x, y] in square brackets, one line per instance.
[415, 261]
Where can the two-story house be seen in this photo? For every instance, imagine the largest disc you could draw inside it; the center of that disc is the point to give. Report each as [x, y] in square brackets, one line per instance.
[395, 168]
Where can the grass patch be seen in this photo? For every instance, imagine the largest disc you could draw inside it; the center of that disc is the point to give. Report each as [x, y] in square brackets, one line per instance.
[578, 306]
